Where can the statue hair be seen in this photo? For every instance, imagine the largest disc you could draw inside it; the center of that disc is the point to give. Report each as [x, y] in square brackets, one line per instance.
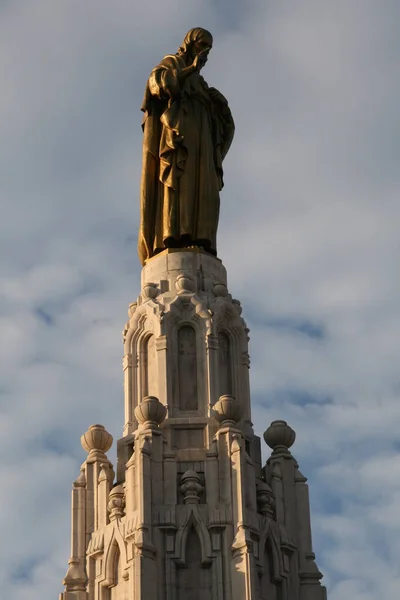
[191, 37]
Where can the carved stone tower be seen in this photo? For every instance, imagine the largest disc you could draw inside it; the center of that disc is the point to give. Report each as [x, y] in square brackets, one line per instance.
[192, 515]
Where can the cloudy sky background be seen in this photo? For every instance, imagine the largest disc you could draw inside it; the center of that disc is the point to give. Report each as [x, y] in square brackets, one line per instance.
[309, 235]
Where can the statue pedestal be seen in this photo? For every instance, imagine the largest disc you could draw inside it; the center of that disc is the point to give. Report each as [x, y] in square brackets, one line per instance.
[186, 344]
[191, 270]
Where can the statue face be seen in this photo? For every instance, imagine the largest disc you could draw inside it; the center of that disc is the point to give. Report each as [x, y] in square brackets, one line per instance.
[202, 44]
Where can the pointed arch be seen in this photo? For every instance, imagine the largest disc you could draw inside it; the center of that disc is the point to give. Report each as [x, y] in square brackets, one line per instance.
[193, 521]
[148, 317]
[117, 575]
[115, 556]
[209, 565]
[269, 534]
[185, 326]
[269, 588]
[194, 580]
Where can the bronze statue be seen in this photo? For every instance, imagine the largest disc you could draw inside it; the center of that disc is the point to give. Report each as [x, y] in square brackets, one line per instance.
[188, 129]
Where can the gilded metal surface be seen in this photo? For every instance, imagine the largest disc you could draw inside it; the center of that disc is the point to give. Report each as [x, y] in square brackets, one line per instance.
[188, 129]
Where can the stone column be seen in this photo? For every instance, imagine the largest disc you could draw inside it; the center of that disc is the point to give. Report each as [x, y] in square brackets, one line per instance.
[149, 413]
[310, 576]
[293, 515]
[96, 441]
[228, 412]
[243, 566]
[75, 580]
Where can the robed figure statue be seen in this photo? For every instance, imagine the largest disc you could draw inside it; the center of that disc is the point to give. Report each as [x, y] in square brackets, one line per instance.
[188, 129]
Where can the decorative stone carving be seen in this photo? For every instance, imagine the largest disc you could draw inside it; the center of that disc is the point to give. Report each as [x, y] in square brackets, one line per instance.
[227, 410]
[96, 441]
[265, 499]
[238, 306]
[132, 308]
[80, 482]
[279, 436]
[116, 502]
[184, 283]
[150, 412]
[191, 487]
[75, 579]
[220, 289]
[103, 473]
[149, 291]
[96, 544]
[246, 359]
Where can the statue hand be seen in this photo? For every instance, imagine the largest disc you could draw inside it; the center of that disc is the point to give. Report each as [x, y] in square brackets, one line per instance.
[200, 59]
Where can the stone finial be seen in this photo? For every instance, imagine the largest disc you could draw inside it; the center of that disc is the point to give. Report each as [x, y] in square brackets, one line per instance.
[279, 436]
[191, 487]
[116, 502]
[149, 291]
[184, 283]
[150, 412]
[227, 410]
[80, 482]
[220, 289]
[265, 499]
[96, 440]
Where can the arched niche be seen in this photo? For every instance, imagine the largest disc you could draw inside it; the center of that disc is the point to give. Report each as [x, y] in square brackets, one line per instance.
[187, 369]
[269, 589]
[225, 364]
[114, 586]
[148, 359]
[193, 578]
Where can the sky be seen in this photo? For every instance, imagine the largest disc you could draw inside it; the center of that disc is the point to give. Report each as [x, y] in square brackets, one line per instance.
[308, 233]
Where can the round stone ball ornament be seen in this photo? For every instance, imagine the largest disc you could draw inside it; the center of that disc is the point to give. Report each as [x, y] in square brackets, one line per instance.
[150, 412]
[279, 436]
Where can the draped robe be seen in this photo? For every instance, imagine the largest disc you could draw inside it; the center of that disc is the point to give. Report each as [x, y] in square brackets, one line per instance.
[188, 128]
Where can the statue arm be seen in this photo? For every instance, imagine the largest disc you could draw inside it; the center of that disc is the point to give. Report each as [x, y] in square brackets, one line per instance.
[227, 125]
[164, 82]
[167, 79]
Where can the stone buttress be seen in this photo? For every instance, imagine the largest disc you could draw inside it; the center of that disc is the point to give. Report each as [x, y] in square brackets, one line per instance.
[192, 514]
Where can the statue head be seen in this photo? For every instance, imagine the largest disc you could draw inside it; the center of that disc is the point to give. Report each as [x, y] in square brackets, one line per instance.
[196, 40]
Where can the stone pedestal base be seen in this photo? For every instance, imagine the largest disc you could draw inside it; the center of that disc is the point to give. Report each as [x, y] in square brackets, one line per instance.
[192, 270]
